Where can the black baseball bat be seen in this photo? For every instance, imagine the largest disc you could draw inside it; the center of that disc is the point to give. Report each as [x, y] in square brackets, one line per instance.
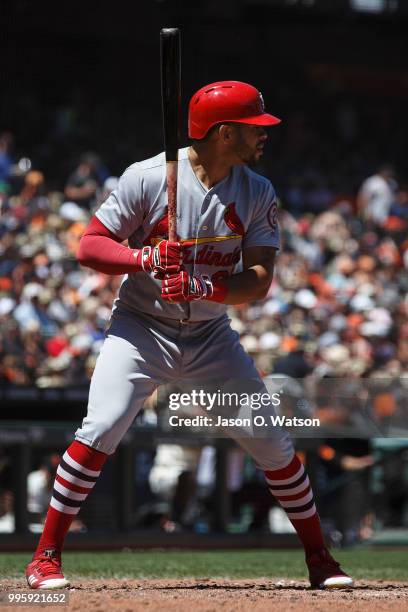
[170, 53]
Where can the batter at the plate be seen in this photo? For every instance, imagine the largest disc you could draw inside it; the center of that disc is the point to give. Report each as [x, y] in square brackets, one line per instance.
[169, 321]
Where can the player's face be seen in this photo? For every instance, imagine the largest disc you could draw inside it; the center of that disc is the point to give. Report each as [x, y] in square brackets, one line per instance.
[249, 142]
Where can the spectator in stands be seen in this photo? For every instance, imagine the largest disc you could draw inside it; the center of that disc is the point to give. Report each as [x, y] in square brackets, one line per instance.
[39, 487]
[344, 487]
[173, 479]
[6, 495]
[399, 207]
[83, 183]
[376, 195]
[40, 483]
[294, 363]
[6, 511]
[6, 141]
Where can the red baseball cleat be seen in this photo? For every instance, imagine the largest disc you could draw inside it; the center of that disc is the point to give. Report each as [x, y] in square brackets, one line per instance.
[45, 572]
[326, 573]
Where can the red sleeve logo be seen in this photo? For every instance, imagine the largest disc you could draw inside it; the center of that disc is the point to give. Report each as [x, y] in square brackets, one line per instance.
[273, 216]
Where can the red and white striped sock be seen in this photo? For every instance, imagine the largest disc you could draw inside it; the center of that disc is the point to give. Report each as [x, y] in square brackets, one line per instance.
[76, 476]
[291, 487]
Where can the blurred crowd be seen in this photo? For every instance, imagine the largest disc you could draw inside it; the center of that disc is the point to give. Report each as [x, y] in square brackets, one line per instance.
[337, 307]
[338, 304]
[52, 312]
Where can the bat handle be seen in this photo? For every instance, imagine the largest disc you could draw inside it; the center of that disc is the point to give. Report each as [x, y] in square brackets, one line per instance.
[171, 175]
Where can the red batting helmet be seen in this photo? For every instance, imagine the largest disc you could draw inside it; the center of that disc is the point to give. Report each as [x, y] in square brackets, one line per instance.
[226, 101]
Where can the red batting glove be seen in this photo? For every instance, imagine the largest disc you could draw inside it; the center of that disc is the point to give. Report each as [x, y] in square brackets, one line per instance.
[184, 287]
[165, 258]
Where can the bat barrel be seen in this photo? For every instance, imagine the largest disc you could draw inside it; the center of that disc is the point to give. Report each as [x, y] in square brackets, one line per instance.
[171, 105]
[171, 89]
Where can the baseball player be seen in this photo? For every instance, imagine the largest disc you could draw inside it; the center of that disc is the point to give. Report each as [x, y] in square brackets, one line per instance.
[169, 321]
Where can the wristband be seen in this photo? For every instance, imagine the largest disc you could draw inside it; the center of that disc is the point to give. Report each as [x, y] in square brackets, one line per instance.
[144, 258]
[219, 292]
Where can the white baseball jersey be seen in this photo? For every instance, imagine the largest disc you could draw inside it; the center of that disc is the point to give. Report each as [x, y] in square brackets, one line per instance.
[214, 225]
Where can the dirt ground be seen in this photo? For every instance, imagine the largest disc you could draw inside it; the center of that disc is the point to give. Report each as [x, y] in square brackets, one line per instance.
[207, 595]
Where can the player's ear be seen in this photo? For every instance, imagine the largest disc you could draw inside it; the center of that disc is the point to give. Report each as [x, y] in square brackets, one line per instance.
[226, 132]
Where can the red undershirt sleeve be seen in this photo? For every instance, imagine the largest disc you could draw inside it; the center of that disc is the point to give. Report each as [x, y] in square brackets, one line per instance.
[102, 250]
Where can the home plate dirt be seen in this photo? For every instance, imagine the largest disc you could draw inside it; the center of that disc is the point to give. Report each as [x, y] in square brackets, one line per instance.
[211, 595]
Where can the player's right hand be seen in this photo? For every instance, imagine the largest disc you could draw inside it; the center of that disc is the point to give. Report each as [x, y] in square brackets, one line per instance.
[164, 258]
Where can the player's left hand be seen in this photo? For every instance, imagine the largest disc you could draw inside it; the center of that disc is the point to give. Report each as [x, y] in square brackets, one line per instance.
[185, 287]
